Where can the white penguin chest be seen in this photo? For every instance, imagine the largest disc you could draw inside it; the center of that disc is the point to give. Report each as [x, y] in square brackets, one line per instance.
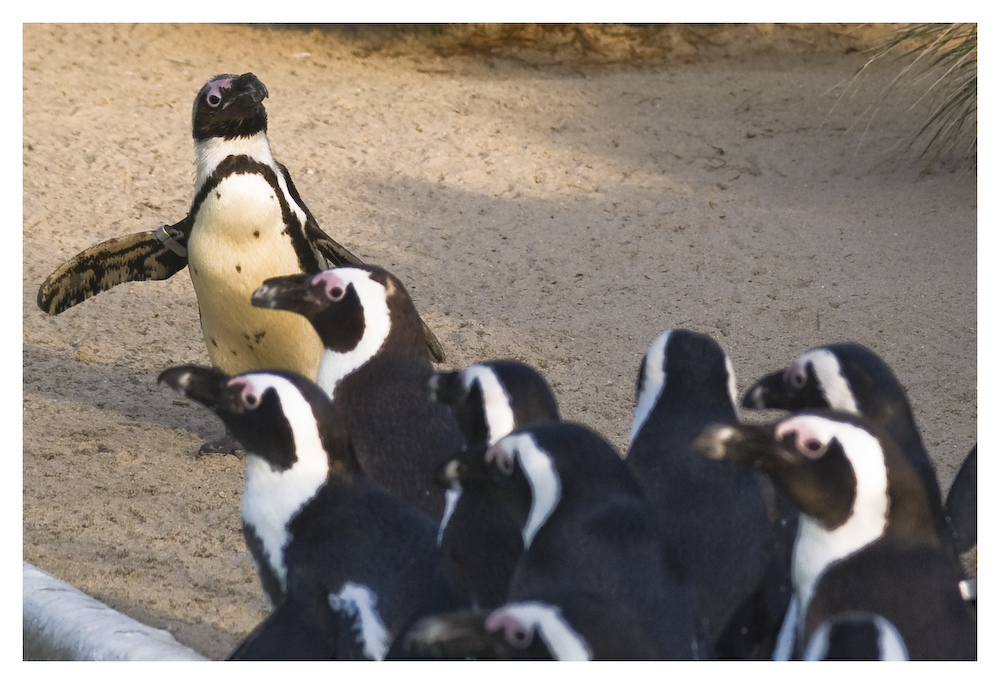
[238, 240]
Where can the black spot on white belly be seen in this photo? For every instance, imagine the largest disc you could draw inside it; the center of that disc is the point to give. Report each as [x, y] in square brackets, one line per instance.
[258, 336]
[239, 269]
[256, 233]
[218, 195]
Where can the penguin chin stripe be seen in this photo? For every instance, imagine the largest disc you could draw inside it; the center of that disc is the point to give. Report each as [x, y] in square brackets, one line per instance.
[547, 621]
[653, 381]
[359, 600]
[335, 366]
[450, 501]
[542, 477]
[816, 548]
[496, 402]
[271, 496]
[832, 383]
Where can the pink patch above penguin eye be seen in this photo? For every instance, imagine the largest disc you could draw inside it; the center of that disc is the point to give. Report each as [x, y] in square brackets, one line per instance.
[214, 96]
[248, 395]
[333, 286]
[514, 632]
[807, 441]
[503, 460]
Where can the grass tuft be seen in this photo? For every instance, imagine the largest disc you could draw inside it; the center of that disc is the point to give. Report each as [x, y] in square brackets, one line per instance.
[942, 59]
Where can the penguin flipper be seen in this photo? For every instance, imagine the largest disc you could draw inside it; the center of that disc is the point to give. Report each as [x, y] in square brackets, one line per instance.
[150, 255]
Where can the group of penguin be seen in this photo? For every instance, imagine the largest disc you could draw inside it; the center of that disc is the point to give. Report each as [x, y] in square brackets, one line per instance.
[392, 511]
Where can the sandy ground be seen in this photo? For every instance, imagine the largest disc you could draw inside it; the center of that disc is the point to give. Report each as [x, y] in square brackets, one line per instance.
[560, 203]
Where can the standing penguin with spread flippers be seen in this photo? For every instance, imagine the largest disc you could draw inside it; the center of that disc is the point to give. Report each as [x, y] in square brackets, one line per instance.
[246, 223]
[588, 532]
[343, 562]
[375, 367]
[866, 539]
[713, 514]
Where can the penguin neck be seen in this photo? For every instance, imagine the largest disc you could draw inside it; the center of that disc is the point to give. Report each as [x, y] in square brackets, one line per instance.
[817, 548]
[334, 366]
[273, 497]
[213, 151]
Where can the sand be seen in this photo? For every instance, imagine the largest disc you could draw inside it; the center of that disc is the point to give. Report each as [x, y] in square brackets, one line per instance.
[556, 197]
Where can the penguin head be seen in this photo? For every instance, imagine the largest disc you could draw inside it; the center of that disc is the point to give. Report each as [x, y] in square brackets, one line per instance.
[837, 468]
[856, 635]
[514, 631]
[531, 473]
[844, 377]
[278, 416]
[493, 398]
[228, 107]
[682, 371]
[535, 629]
[357, 311]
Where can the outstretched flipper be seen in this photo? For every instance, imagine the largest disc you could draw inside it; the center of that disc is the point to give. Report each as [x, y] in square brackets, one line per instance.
[150, 255]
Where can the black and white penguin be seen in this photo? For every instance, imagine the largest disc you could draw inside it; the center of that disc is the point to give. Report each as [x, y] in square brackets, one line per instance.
[331, 547]
[565, 627]
[713, 514]
[853, 379]
[961, 506]
[866, 538]
[856, 635]
[587, 531]
[246, 223]
[479, 543]
[375, 367]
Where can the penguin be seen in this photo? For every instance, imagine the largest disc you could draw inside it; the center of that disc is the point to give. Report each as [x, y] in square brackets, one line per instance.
[866, 538]
[332, 548]
[575, 626]
[247, 223]
[960, 507]
[856, 635]
[375, 368]
[587, 530]
[480, 544]
[851, 378]
[713, 514]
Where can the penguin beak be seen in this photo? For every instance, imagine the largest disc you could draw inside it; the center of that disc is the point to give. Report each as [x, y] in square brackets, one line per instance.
[768, 393]
[446, 387]
[462, 469]
[205, 385]
[749, 444]
[247, 91]
[288, 293]
[450, 472]
[460, 634]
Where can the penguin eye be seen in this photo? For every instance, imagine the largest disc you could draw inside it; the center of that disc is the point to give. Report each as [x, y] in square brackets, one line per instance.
[503, 460]
[812, 447]
[518, 636]
[213, 100]
[796, 376]
[335, 293]
[251, 400]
